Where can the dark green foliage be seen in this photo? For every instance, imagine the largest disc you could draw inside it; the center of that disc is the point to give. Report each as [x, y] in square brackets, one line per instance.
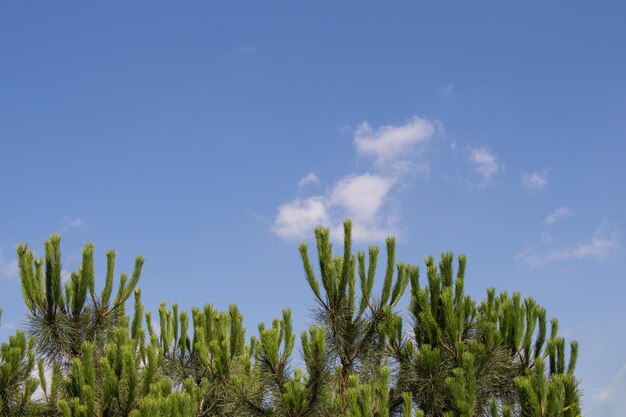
[362, 357]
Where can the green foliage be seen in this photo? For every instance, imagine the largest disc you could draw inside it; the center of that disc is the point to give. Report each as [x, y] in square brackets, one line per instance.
[17, 363]
[453, 357]
[369, 400]
[163, 402]
[554, 394]
[64, 316]
[353, 327]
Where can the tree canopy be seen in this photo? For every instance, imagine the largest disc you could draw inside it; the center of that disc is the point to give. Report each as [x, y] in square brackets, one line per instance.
[445, 355]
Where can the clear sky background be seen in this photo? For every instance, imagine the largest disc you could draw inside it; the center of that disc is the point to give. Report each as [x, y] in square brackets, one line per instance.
[212, 137]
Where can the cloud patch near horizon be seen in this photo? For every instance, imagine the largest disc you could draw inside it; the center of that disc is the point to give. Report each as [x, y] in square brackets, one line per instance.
[363, 197]
[604, 242]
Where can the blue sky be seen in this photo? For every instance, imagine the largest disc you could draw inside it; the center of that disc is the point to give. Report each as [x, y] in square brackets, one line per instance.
[211, 138]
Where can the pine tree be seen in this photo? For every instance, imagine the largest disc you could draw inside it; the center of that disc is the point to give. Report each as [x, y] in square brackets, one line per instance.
[353, 328]
[60, 317]
[460, 357]
[100, 362]
[454, 357]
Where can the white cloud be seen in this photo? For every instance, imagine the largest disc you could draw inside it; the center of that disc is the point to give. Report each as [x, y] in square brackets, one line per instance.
[535, 181]
[72, 223]
[558, 214]
[310, 178]
[8, 269]
[389, 143]
[361, 199]
[296, 219]
[361, 195]
[484, 162]
[602, 244]
[365, 232]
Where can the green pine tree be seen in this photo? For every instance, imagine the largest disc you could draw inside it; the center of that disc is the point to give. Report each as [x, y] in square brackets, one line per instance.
[353, 319]
[361, 358]
[61, 317]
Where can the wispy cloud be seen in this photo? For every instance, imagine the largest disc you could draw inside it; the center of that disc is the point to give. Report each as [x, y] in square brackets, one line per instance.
[601, 395]
[391, 144]
[308, 179]
[558, 215]
[363, 197]
[8, 268]
[8, 325]
[612, 395]
[603, 243]
[485, 163]
[257, 216]
[535, 181]
[248, 50]
[68, 222]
